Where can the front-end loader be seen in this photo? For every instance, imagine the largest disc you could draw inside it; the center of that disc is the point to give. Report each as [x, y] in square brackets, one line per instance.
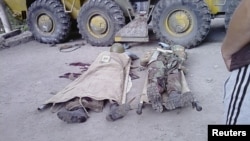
[103, 22]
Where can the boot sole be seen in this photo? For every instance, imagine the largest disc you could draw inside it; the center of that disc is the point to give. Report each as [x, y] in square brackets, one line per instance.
[76, 116]
[155, 98]
[178, 101]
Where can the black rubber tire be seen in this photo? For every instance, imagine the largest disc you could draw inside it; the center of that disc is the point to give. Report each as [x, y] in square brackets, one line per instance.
[108, 10]
[200, 15]
[60, 21]
[230, 10]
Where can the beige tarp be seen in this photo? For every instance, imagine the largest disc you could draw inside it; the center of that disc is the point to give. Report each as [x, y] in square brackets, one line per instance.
[106, 78]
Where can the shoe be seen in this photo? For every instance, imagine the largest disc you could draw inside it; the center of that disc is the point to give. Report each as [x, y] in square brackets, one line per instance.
[155, 98]
[76, 116]
[117, 111]
[177, 100]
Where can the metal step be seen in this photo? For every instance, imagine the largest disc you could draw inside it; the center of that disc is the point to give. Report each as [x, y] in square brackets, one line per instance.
[135, 31]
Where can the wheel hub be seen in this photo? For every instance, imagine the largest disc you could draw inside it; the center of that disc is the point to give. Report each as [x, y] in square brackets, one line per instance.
[178, 22]
[45, 23]
[98, 25]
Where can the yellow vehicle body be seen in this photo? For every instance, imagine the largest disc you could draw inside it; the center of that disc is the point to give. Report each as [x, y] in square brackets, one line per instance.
[19, 7]
[183, 21]
[216, 6]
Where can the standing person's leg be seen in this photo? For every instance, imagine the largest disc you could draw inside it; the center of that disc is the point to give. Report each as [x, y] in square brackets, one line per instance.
[237, 97]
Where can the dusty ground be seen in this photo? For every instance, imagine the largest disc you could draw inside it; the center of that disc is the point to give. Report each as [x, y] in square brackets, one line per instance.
[29, 73]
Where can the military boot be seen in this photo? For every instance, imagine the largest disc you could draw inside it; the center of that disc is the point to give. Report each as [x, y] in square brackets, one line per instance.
[177, 100]
[117, 111]
[75, 116]
[154, 97]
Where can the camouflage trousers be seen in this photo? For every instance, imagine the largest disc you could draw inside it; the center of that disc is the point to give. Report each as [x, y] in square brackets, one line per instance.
[164, 88]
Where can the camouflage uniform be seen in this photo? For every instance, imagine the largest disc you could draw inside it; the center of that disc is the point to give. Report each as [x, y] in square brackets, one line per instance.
[164, 86]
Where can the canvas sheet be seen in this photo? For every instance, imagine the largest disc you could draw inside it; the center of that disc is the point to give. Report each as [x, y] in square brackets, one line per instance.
[106, 78]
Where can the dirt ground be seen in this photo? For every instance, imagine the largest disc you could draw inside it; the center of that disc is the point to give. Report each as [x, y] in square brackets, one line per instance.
[30, 75]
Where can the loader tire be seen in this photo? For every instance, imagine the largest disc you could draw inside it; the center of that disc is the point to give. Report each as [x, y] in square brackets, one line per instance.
[230, 10]
[48, 22]
[98, 22]
[183, 22]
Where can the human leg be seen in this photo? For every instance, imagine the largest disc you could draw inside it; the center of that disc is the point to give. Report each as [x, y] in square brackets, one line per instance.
[154, 88]
[237, 97]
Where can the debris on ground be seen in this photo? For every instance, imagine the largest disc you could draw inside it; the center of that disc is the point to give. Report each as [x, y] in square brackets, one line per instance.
[14, 38]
